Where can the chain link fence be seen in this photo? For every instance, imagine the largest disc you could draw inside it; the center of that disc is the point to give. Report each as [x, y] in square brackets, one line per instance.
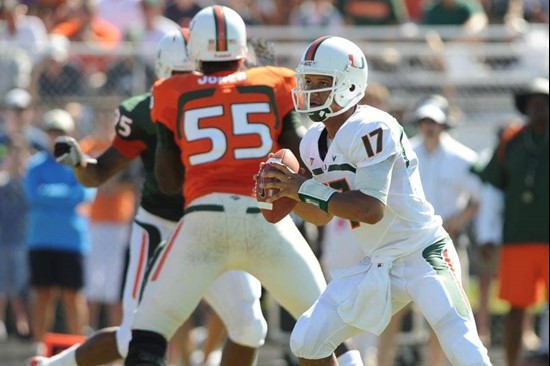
[477, 74]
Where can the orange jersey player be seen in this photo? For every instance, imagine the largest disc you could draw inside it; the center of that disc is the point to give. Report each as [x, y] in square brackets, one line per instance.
[225, 124]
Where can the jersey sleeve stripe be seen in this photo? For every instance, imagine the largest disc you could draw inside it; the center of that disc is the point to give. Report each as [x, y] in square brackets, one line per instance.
[128, 148]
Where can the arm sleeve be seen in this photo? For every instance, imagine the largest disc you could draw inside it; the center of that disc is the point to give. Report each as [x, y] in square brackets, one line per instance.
[372, 144]
[127, 141]
[374, 180]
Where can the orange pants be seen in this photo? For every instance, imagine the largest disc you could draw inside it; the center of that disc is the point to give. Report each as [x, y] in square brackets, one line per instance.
[523, 270]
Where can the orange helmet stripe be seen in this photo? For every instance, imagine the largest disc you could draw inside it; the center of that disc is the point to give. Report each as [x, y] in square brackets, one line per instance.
[310, 53]
[221, 29]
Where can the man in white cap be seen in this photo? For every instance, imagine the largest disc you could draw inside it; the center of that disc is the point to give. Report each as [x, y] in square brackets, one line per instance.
[17, 116]
[58, 233]
[449, 185]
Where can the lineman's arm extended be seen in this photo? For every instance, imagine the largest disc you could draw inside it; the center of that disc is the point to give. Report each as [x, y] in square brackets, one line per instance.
[90, 174]
[168, 167]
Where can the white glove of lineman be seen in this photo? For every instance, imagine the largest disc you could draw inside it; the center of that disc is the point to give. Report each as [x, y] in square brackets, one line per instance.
[67, 152]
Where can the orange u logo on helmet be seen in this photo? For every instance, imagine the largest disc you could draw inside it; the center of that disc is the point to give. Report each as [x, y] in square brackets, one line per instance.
[352, 62]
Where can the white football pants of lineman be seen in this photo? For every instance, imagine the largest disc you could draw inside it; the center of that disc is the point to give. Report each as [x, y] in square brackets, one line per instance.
[207, 243]
[234, 296]
[440, 299]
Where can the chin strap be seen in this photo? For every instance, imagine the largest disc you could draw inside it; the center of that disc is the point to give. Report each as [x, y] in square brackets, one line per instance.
[324, 114]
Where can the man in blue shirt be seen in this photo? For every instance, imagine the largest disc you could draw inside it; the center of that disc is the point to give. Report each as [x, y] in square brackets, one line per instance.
[57, 236]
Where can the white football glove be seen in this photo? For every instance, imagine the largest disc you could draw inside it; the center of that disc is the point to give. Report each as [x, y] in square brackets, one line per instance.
[67, 152]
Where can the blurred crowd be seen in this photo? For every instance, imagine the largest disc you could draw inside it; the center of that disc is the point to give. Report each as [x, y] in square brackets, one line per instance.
[78, 49]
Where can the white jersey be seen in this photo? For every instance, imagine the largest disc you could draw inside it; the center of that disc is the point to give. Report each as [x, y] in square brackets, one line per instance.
[369, 137]
[446, 175]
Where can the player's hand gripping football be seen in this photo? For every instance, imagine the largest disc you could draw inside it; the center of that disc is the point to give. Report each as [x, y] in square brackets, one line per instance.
[287, 182]
[67, 152]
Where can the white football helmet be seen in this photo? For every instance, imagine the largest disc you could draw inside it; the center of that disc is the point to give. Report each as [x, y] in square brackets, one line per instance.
[339, 58]
[172, 54]
[218, 33]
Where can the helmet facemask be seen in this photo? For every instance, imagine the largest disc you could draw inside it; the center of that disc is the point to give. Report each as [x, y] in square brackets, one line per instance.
[339, 92]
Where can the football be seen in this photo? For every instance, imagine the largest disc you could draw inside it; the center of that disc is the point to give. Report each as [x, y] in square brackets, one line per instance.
[276, 211]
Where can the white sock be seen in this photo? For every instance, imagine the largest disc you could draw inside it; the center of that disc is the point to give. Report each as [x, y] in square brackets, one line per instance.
[350, 358]
[65, 358]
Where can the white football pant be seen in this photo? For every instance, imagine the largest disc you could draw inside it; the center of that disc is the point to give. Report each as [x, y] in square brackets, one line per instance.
[234, 296]
[218, 233]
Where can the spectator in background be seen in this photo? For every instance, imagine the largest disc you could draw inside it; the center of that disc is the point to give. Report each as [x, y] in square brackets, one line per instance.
[468, 13]
[123, 14]
[275, 12]
[449, 184]
[181, 11]
[58, 236]
[249, 10]
[316, 13]
[51, 12]
[15, 69]
[519, 168]
[373, 12]
[536, 11]
[489, 232]
[501, 11]
[376, 96]
[112, 211]
[17, 119]
[130, 74]
[153, 27]
[14, 270]
[87, 27]
[21, 30]
[55, 76]
[414, 9]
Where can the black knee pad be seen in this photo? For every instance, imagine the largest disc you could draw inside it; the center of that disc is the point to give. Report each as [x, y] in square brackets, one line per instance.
[146, 348]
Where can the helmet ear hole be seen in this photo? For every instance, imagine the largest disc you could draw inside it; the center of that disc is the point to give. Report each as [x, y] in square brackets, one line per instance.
[352, 88]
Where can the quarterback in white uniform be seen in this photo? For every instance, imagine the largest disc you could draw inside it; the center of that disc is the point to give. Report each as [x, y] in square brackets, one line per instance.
[364, 170]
